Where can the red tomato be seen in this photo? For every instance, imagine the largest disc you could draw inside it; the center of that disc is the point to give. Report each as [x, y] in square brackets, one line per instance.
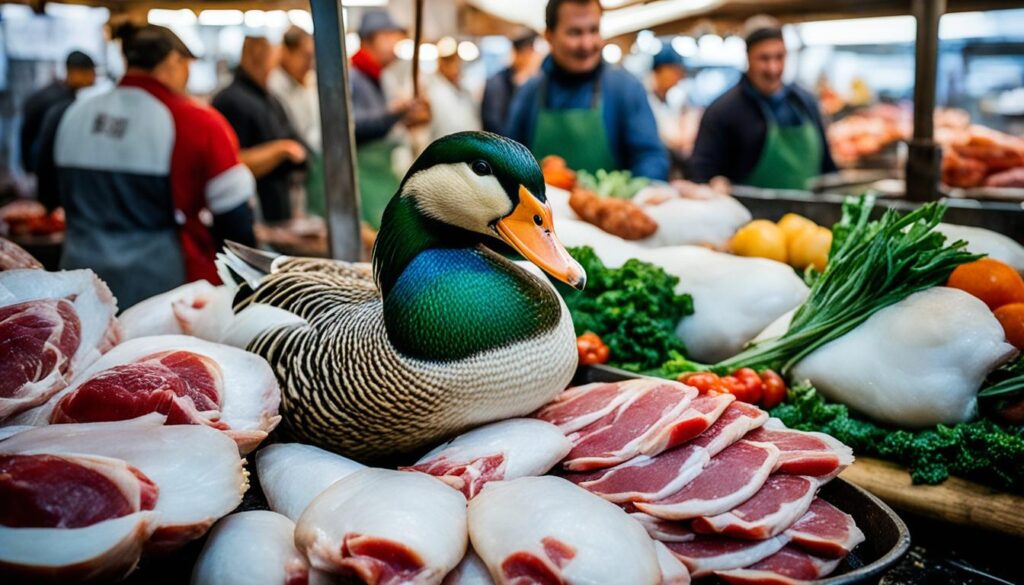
[774, 389]
[751, 380]
[704, 382]
[741, 391]
[591, 349]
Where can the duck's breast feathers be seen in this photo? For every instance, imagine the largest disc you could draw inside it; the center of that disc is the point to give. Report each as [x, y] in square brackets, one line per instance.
[450, 304]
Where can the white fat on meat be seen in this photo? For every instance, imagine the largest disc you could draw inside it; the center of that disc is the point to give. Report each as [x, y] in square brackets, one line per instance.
[197, 469]
[780, 502]
[789, 566]
[197, 308]
[983, 241]
[913, 364]
[471, 571]
[804, 452]
[385, 527]
[703, 555]
[292, 475]
[826, 531]
[507, 449]
[673, 571]
[580, 406]
[709, 221]
[548, 530]
[251, 548]
[52, 326]
[244, 383]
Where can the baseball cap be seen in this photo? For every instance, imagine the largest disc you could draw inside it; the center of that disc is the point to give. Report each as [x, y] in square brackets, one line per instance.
[145, 47]
[667, 56]
[376, 21]
[79, 60]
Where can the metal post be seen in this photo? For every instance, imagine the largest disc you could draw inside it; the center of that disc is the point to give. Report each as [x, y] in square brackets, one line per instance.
[924, 157]
[341, 190]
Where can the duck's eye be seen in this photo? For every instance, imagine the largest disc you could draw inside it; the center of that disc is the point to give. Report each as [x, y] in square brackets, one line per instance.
[481, 168]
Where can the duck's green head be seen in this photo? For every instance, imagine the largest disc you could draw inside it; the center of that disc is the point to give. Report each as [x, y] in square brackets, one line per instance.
[479, 186]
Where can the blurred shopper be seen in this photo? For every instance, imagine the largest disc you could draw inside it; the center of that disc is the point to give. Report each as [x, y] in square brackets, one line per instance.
[503, 85]
[375, 116]
[293, 84]
[140, 165]
[81, 73]
[667, 71]
[447, 95]
[270, 145]
[762, 132]
[591, 114]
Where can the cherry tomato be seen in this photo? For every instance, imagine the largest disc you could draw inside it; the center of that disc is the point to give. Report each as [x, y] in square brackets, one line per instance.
[774, 389]
[738, 389]
[591, 349]
[752, 381]
[704, 382]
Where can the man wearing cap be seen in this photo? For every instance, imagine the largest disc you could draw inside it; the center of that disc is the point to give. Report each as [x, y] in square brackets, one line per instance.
[271, 147]
[374, 116]
[81, 73]
[503, 85]
[762, 132]
[591, 114]
[666, 72]
[144, 169]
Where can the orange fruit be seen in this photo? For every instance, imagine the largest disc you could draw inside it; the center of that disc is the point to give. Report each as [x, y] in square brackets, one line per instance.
[760, 238]
[992, 281]
[1011, 317]
[810, 247]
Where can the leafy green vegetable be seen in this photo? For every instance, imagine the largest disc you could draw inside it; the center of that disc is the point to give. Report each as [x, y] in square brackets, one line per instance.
[634, 309]
[617, 184]
[981, 450]
[872, 264]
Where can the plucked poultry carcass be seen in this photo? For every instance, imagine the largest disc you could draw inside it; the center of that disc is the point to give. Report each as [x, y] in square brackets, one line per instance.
[197, 308]
[251, 548]
[52, 326]
[292, 475]
[982, 241]
[691, 214]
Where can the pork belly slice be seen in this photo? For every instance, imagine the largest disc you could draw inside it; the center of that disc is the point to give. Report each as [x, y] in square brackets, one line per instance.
[293, 474]
[789, 566]
[728, 480]
[620, 435]
[546, 530]
[664, 530]
[251, 548]
[508, 449]
[385, 527]
[826, 531]
[673, 571]
[580, 406]
[706, 554]
[703, 412]
[780, 502]
[804, 453]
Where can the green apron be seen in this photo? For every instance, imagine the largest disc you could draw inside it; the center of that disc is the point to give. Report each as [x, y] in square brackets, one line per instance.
[577, 135]
[315, 186]
[791, 155]
[377, 180]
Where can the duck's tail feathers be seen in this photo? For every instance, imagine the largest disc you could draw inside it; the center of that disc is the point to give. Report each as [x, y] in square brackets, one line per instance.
[239, 264]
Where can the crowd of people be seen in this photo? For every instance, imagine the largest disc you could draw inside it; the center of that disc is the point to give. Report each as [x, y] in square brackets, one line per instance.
[152, 180]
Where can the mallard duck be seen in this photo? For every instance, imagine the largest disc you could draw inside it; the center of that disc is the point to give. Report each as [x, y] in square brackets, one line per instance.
[445, 333]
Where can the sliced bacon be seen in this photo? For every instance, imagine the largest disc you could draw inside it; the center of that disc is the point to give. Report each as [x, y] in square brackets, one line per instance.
[703, 412]
[789, 566]
[728, 480]
[580, 406]
[775, 507]
[664, 530]
[804, 453]
[826, 531]
[706, 554]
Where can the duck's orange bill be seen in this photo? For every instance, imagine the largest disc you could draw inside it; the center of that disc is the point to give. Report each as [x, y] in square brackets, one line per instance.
[529, 230]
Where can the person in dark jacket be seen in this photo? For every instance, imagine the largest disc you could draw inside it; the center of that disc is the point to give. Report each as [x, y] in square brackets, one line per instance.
[762, 132]
[591, 114]
[271, 147]
[81, 73]
[502, 86]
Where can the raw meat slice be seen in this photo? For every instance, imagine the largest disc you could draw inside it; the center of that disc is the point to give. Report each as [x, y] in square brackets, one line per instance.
[251, 548]
[197, 469]
[197, 308]
[646, 478]
[37, 342]
[789, 566]
[703, 412]
[826, 531]
[580, 406]
[248, 390]
[13, 256]
[664, 530]
[508, 449]
[780, 502]
[728, 480]
[103, 552]
[738, 419]
[51, 491]
[802, 452]
[546, 530]
[673, 571]
[385, 527]
[471, 571]
[705, 554]
[620, 435]
[293, 474]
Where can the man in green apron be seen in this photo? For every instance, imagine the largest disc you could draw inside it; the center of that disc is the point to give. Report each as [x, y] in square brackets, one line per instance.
[374, 116]
[763, 132]
[593, 115]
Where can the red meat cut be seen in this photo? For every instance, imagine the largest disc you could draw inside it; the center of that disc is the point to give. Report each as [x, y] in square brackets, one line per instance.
[703, 412]
[826, 531]
[49, 491]
[183, 385]
[580, 406]
[705, 554]
[789, 566]
[469, 476]
[780, 502]
[38, 340]
[804, 453]
[379, 560]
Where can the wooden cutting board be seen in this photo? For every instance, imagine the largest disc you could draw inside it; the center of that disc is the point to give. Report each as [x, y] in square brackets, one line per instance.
[955, 500]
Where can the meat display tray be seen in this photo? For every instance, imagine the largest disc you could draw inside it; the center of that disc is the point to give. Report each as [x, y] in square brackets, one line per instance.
[887, 538]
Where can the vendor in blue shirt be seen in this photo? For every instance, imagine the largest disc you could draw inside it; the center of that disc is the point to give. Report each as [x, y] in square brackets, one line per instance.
[762, 132]
[593, 115]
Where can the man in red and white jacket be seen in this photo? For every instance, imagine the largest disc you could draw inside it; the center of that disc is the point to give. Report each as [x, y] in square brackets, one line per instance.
[139, 167]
